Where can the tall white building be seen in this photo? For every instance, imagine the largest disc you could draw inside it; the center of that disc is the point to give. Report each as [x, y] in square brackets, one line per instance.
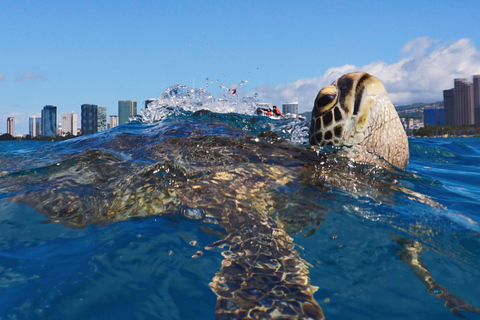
[69, 123]
[11, 126]
[113, 122]
[33, 127]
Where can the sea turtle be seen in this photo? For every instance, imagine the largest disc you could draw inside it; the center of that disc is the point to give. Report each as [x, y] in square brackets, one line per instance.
[355, 110]
[236, 181]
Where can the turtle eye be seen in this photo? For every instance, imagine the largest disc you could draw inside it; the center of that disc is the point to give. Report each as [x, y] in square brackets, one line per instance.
[325, 100]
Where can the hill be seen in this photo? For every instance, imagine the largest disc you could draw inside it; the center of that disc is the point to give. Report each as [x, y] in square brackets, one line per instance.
[414, 110]
[405, 111]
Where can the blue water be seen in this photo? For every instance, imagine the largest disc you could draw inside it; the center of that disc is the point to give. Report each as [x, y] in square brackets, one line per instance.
[142, 267]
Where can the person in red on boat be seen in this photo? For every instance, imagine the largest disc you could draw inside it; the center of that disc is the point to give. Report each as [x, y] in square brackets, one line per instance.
[276, 112]
[269, 112]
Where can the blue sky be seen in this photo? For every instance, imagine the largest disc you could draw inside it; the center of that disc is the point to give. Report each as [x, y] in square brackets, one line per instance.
[67, 53]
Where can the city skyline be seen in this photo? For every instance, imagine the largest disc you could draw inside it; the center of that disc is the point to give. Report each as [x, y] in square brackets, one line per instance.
[130, 108]
[462, 102]
[132, 111]
[69, 120]
[67, 54]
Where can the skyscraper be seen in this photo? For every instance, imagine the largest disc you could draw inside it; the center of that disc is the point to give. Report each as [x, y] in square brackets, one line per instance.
[449, 106]
[49, 121]
[89, 118]
[463, 102]
[34, 126]
[101, 119]
[476, 99]
[38, 126]
[11, 126]
[113, 121]
[69, 123]
[126, 109]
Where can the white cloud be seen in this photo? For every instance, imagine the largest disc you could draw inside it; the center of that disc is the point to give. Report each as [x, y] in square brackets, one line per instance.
[30, 76]
[425, 69]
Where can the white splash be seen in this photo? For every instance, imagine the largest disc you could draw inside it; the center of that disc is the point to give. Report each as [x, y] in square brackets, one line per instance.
[178, 99]
[295, 130]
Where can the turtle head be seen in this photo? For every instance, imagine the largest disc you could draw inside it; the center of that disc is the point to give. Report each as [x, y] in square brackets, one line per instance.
[355, 110]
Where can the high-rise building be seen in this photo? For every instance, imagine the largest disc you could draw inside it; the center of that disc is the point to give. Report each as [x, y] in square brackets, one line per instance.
[290, 109]
[38, 125]
[449, 106]
[94, 118]
[74, 131]
[34, 126]
[126, 109]
[113, 122]
[89, 119]
[101, 119]
[49, 121]
[463, 91]
[69, 123]
[476, 99]
[462, 103]
[11, 126]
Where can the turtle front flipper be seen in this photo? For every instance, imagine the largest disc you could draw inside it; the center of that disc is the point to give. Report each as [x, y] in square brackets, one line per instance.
[262, 275]
[410, 255]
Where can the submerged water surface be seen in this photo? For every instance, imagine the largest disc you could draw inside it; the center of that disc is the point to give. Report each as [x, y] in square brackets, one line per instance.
[145, 265]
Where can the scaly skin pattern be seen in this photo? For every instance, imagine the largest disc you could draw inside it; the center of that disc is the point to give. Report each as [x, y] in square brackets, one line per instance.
[355, 110]
[262, 275]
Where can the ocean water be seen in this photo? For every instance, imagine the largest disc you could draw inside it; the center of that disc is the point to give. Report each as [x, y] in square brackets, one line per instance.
[83, 234]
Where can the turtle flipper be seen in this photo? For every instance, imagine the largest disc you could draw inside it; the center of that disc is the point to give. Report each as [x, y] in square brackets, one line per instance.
[453, 302]
[263, 276]
[410, 255]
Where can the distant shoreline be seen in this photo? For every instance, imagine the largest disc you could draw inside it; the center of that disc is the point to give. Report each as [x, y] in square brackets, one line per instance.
[416, 135]
[9, 137]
